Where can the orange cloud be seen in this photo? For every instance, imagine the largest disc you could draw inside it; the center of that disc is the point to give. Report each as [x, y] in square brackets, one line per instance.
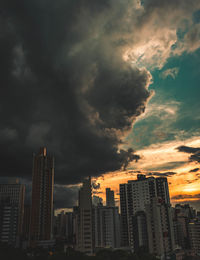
[184, 182]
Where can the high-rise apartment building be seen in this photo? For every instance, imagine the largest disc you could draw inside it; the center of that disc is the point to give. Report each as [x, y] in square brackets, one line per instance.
[160, 228]
[163, 189]
[11, 212]
[134, 195]
[42, 197]
[194, 235]
[110, 198]
[182, 216]
[26, 225]
[140, 231]
[138, 197]
[97, 201]
[84, 222]
[106, 227]
[63, 227]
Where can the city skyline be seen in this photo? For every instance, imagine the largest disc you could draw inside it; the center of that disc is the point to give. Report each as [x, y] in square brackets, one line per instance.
[111, 88]
[146, 220]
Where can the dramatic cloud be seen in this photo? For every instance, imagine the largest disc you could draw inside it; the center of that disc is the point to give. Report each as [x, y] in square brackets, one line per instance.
[96, 185]
[186, 196]
[195, 157]
[194, 170]
[166, 28]
[65, 196]
[160, 174]
[65, 85]
[73, 78]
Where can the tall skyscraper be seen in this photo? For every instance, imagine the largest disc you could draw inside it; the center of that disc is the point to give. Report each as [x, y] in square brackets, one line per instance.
[42, 197]
[110, 199]
[11, 212]
[139, 205]
[84, 236]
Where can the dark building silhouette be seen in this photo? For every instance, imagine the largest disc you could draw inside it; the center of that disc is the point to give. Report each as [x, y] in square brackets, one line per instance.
[42, 197]
[182, 216]
[140, 231]
[106, 227]
[84, 219]
[11, 212]
[26, 224]
[110, 198]
[63, 227]
[163, 189]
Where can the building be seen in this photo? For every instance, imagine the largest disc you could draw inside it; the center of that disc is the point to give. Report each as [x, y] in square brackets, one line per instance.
[194, 234]
[110, 199]
[106, 227]
[84, 220]
[63, 227]
[163, 189]
[134, 195]
[96, 200]
[182, 216]
[139, 198]
[69, 227]
[11, 212]
[26, 225]
[140, 231]
[42, 198]
[160, 228]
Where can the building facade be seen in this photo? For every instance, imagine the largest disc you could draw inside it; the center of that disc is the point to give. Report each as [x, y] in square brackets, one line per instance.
[11, 213]
[42, 198]
[110, 198]
[194, 235]
[140, 211]
[84, 219]
[160, 228]
[134, 195]
[140, 231]
[106, 227]
[63, 227]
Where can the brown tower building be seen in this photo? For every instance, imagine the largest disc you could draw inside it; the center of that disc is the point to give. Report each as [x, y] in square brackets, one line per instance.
[42, 197]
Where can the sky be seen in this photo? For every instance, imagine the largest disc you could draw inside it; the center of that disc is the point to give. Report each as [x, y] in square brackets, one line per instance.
[110, 87]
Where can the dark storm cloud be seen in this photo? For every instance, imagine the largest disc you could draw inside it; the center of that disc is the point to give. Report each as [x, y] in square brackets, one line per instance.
[166, 166]
[96, 186]
[64, 85]
[97, 192]
[185, 196]
[65, 197]
[195, 157]
[187, 149]
[194, 170]
[161, 174]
